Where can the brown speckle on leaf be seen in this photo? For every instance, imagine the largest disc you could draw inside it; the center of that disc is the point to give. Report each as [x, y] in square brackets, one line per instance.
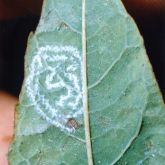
[72, 123]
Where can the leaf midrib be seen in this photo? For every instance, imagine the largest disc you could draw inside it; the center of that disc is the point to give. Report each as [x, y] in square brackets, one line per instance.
[85, 87]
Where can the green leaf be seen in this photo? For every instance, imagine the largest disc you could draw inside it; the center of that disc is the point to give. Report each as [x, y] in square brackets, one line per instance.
[126, 110]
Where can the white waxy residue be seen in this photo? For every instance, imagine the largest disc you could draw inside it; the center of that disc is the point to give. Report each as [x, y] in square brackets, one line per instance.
[54, 84]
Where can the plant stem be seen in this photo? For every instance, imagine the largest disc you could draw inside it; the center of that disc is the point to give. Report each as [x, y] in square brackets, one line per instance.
[85, 89]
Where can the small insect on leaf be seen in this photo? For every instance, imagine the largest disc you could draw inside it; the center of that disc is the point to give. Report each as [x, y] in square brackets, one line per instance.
[72, 123]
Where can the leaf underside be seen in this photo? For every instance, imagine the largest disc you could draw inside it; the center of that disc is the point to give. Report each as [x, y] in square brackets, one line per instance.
[127, 113]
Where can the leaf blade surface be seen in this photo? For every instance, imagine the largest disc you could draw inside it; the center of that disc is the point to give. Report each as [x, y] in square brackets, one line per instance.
[123, 95]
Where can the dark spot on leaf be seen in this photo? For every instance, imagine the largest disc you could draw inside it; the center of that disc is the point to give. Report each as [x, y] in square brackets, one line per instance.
[72, 123]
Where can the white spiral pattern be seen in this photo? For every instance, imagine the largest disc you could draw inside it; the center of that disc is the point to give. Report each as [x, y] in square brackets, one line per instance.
[54, 84]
